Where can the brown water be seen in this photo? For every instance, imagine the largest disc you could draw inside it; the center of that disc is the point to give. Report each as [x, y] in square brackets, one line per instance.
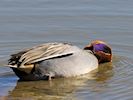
[24, 23]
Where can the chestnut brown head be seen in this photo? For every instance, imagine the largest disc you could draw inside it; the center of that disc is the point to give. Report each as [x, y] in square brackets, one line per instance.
[101, 50]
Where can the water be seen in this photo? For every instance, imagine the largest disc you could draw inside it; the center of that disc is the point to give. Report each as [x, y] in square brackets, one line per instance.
[27, 23]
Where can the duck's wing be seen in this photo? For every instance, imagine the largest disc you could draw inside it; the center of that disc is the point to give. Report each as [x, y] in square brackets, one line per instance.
[40, 53]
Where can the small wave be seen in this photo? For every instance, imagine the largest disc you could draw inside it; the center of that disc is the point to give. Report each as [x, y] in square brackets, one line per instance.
[117, 86]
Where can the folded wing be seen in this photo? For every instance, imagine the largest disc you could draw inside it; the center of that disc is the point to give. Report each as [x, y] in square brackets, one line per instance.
[40, 53]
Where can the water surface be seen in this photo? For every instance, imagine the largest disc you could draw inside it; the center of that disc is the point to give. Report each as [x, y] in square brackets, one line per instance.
[27, 23]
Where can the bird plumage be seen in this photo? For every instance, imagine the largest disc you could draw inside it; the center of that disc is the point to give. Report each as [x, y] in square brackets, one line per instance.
[52, 60]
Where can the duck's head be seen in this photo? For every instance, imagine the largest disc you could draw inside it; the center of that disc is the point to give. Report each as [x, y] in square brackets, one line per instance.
[101, 50]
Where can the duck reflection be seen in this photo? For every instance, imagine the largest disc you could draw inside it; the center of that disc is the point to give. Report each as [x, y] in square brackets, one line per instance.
[104, 72]
[62, 87]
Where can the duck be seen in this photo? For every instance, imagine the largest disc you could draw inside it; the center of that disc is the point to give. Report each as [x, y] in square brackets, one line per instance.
[51, 60]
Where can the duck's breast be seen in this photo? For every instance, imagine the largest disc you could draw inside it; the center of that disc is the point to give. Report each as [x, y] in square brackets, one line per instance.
[81, 62]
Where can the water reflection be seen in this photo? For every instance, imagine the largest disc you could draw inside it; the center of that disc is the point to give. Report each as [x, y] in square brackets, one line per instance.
[42, 89]
[104, 72]
[62, 88]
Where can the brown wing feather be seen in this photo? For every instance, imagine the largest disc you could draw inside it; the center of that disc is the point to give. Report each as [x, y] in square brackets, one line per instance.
[37, 53]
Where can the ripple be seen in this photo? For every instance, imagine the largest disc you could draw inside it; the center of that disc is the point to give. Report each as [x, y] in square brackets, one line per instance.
[118, 84]
[111, 81]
